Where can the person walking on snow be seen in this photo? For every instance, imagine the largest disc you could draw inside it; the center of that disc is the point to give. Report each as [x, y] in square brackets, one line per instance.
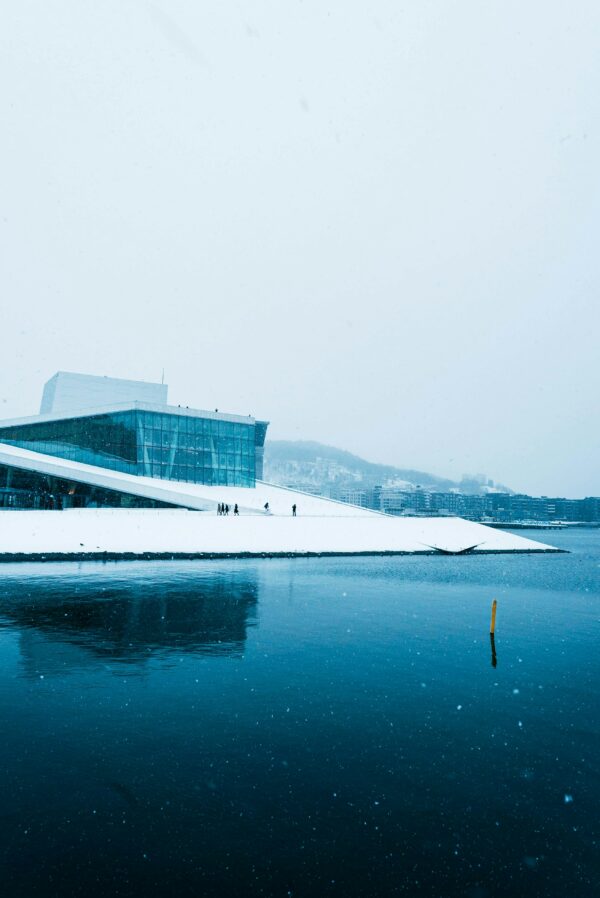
[267, 507]
[236, 509]
[294, 510]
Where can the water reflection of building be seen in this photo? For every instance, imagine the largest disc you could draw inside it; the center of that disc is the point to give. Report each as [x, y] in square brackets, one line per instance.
[67, 623]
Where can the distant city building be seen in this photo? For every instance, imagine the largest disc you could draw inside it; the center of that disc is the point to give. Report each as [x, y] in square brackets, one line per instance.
[310, 490]
[490, 506]
[351, 496]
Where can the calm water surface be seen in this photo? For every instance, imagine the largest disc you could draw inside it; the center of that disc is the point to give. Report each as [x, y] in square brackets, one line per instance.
[302, 727]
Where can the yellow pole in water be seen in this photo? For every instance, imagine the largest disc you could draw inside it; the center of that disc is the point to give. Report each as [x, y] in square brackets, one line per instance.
[493, 623]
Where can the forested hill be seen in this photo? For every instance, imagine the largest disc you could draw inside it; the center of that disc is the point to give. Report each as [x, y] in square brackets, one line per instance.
[307, 463]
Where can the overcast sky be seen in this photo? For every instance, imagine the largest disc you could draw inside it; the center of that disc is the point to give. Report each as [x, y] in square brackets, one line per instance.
[376, 224]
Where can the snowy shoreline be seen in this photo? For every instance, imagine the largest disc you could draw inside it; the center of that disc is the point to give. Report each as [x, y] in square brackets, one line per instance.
[87, 534]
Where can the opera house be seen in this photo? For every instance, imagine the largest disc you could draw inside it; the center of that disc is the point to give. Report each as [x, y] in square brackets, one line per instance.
[109, 469]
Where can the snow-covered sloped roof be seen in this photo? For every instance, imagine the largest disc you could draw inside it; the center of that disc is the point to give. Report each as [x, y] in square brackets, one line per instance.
[322, 526]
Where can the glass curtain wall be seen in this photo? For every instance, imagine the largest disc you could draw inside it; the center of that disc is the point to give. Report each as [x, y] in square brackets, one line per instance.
[21, 490]
[168, 446]
[197, 450]
[260, 432]
[104, 440]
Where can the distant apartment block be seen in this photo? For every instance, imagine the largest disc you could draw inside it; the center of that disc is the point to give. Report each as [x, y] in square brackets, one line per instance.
[351, 496]
[497, 507]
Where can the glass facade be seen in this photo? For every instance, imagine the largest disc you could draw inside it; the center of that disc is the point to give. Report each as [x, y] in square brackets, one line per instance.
[152, 444]
[260, 433]
[21, 489]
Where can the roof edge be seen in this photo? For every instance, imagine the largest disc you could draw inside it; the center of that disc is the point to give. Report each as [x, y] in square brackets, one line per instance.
[131, 406]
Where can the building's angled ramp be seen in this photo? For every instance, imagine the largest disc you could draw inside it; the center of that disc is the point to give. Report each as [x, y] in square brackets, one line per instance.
[194, 496]
[322, 526]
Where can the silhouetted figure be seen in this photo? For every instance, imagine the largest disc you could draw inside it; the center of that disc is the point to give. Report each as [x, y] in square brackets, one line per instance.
[219, 508]
[236, 509]
[266, 506]
[294, 510]
[226, 508]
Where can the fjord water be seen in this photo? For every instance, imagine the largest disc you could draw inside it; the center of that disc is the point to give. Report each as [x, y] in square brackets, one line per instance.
[303, 726]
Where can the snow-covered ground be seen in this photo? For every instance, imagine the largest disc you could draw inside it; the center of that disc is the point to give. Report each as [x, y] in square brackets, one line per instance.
[120, 532]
